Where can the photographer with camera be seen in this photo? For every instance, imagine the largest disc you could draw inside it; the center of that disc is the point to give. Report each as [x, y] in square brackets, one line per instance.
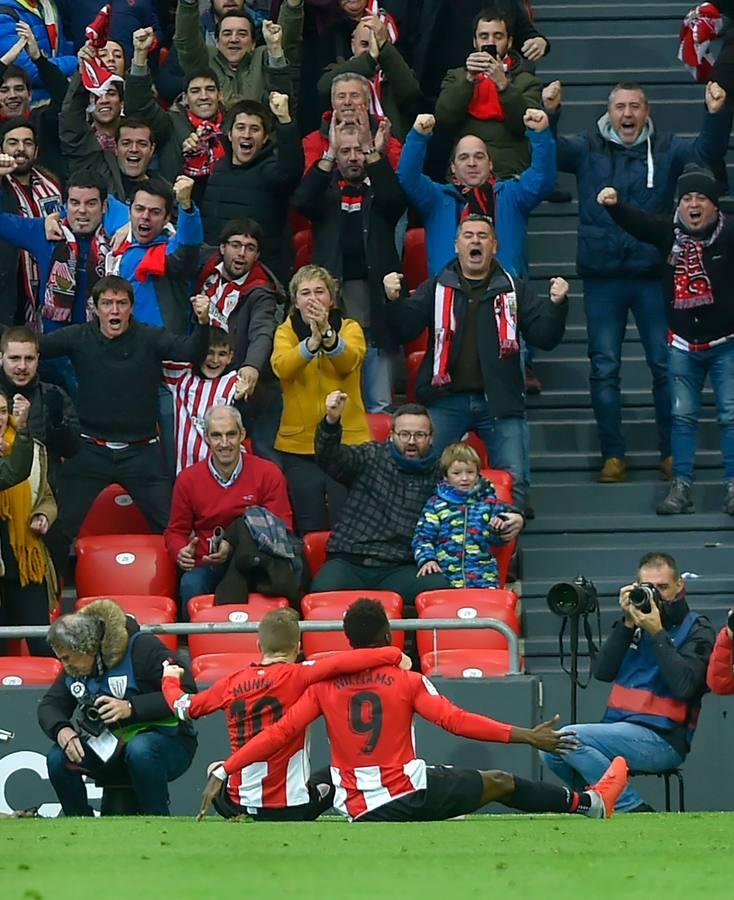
[656, 656]
[107, 714]
[720, 675]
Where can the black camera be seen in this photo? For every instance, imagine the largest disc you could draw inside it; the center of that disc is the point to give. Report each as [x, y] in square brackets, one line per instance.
[489, 48]
[575, 598]
[89, 717]
[643, 596]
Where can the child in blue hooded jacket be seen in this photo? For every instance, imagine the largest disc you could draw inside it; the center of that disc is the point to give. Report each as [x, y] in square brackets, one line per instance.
[460, 523]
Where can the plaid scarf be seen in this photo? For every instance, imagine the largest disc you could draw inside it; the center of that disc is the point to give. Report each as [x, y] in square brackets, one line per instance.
[201, 160]
[41, 198]
[444, 318]
[478, 201]
[352, 195]
[691, 283]
[60, 293]
[268, 532]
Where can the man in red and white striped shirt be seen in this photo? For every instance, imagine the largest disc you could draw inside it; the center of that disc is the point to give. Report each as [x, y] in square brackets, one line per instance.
[259, 695]
[377, 776]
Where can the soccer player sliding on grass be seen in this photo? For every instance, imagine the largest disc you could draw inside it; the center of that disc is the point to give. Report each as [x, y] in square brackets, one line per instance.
[261, 693]
[377, 777]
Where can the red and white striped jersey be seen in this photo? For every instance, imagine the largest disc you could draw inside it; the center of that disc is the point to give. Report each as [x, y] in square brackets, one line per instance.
[258, 696]
[369, 719]
[193, 396]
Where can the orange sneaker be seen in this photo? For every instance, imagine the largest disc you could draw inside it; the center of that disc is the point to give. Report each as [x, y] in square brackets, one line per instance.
[611, 784]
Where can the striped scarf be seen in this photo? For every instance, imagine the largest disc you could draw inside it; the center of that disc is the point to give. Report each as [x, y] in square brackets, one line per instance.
[206, 154]
[41, 198]
[60, 293]
[444, 317]
[691, 282]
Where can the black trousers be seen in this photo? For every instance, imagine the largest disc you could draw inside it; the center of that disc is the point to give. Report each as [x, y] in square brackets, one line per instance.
[139, 469]
[24, 606]
[316, 498]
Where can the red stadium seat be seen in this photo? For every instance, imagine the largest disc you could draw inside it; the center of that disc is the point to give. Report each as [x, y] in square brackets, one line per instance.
[138, 563]
[473, 440]
[21, 670]
[206, 601]
[333, 605]
[466, 603]
[303, 244]
[213, 666]
[466, 663]
[113, 512]
[413, 363]
[314, 548]
[297, 221]
[417, 345]
[379, 425]
[135, 604]
[415, 260]
[502, 482]
[202, 644]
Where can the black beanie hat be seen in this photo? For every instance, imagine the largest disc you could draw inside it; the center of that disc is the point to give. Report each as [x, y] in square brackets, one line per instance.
[699, 180]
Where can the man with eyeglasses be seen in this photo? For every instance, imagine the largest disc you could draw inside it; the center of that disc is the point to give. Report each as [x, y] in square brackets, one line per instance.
[244, 295]
[388, 485]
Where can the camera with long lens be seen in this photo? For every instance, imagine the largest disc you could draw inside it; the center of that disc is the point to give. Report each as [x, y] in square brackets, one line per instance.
[643, 596]
[573, 598]
[89, 716]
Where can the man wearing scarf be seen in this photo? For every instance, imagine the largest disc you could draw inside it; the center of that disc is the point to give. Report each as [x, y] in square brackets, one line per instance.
[488, 96]
[656, 658]
[189, 135]
[619, 273]
[698, 246]
[471, 378]
[388, 484]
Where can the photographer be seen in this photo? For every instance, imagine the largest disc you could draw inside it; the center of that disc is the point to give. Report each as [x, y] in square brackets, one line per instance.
[656, 657]
[107, 714]
[720, 675]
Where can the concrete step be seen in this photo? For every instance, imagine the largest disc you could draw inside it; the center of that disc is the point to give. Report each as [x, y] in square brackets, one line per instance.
[560, 246]
[599, 522]
[564, 371]
[563, 460]
[579, 397]
[559, 15]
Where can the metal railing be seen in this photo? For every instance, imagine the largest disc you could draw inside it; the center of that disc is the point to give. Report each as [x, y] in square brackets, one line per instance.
[181, 628]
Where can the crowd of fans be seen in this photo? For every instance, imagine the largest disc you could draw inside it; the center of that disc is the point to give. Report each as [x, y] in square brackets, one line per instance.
[204, 212]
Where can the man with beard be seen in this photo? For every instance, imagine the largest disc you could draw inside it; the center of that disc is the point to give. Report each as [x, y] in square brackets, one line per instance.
[16, 91]
[656, 655]
[188, 136]
[259, 178]
[698, 245]
[244, 296]
[350, 104]
[31, 193]
[120, 149]
[353, 198]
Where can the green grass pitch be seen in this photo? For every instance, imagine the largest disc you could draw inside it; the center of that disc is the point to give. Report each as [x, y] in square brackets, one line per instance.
[492, 857]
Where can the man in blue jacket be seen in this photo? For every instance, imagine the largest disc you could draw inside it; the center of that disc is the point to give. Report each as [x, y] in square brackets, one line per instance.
[619, 273]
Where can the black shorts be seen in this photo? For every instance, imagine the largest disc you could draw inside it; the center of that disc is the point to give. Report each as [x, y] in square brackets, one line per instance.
[307, 812]
[449, 792]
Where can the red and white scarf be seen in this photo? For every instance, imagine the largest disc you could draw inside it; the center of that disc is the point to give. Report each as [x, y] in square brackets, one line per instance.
[47, 12]
[96, 77]
[691, 282]
[60, 291]
[374, 9]
[485, 103]
[202, 159]
[153, 262]
[223, 294]
[444, 317]
[700, 28]
[352, 195]
[41, 198]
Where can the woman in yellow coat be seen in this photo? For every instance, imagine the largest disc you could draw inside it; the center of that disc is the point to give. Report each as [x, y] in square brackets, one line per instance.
[316, 351]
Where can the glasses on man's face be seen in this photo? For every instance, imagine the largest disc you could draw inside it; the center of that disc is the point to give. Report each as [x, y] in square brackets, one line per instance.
[238, 247]
[412, 435]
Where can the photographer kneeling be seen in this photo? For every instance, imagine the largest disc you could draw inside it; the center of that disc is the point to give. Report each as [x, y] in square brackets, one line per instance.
[124, 732]
[656, 655]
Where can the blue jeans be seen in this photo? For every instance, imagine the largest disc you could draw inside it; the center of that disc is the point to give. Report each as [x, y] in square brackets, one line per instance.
[377, 380]
[688, 373]
[643, 749]
[150, 761]
[505, 439]
[202, 579]
[607, 302]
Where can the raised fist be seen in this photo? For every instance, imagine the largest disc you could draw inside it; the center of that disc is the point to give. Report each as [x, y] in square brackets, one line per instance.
[279, 107]
[143, 40]
[715, 97]
[607, 197]
[558, 290]
[424, 123]
[20, 410]
[200, 306]
[335, 403]
[552, 96]
[535, 119]
[191, 143]
[182, 188]
[272, 35]
[393, 285]
[8, 164]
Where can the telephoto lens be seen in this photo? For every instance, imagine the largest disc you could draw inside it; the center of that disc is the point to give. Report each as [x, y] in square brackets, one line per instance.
[574, 598]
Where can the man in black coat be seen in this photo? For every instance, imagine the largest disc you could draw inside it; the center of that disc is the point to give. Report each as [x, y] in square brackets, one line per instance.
[471, 378]
[257, 180]
[117, 362]
[354, 200]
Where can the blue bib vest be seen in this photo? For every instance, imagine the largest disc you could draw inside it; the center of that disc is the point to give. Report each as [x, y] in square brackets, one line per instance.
[119, 682]
[640, 694]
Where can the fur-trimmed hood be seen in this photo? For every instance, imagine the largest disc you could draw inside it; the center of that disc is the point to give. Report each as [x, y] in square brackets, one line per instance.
[116, 624]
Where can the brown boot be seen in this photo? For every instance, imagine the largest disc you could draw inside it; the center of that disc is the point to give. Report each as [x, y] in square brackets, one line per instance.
[613, 471]
[666, 468]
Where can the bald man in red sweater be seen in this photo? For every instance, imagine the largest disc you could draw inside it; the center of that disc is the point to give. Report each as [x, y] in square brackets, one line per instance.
[211, 494]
